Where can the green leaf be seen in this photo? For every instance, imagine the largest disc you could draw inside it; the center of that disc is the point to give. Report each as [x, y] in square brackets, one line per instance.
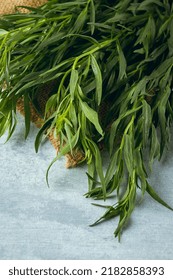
[90, 39]
[170, 40]
[122, 62]
[154, 146]
[98, 79]
[3, 32]
[161, 69]
[156, 197]
[116, 123]
[140, 170]
[110, 213]
[92, 116]
[113, 133]
[51, 104]
[64, 150]
[144, 5]
[27, 114]
[92, 16]
[80, 21]
[98, 165]
[147, 120]
[147, 35]
[162, 116]
[111, 168]
[164, 26]
[128, 153]
[119, 17]
[73, 82]
[41, 133]
[73, 116]
[69, 135]
[91, 176]
[89, 87]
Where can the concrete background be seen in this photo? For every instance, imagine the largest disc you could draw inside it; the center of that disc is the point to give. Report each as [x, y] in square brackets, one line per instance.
[37, 222]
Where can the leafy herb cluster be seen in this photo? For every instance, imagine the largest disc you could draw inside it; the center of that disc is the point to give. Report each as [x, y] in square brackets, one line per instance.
[112, 62]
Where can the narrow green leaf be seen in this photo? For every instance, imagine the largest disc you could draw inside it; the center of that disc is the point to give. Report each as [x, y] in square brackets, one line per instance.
[91, 176]
[41, 133]
[65, 150]
[27, 114]
[140, 170]
[98, 79]
[165, 25]
[122, 62]
[73, 116]
[73, 82]
[51, 104]
[128, 153]
[144, 5]
[12, 125]
[78, 25]
[98, 164]
[92, 16]
[161, 69]
[92, 116]
[147, 120]
[156, 197]
[119, 17]
[110, 213]
[111, 168]
[69, 135]
[3, 32]
[154, 146]
[90, 39]
[115, 124]
[162, 116]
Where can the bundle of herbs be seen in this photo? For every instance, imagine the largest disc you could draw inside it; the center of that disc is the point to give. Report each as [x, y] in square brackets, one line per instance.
[110, 63]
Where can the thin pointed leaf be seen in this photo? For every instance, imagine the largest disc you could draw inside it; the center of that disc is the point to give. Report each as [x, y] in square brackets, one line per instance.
[65, 150]
[73, 82]
[92, 116]
[27, 115]
[98, 79]
[156, 197]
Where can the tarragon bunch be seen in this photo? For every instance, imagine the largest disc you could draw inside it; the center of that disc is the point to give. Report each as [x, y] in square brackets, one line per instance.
[112, 66]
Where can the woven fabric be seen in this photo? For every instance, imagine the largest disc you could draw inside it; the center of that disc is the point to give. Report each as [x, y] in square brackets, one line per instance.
[8, 6]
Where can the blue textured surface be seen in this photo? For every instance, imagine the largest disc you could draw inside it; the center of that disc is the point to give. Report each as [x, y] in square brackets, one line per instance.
[53, 223]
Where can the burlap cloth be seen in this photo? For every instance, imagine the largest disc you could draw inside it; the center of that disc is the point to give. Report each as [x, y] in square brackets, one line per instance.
[7, 7]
